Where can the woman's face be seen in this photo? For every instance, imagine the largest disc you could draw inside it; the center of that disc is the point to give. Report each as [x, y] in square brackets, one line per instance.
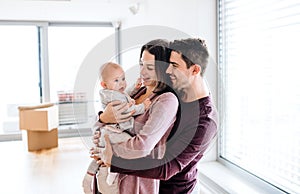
[147, 69]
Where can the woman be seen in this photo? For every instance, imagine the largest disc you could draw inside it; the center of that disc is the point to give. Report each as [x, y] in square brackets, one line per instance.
[154, 126]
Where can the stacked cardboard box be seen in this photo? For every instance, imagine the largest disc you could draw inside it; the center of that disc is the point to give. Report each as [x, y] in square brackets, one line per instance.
[39, 124]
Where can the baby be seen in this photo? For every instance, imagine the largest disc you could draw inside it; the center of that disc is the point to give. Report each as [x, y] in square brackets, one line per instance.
[113, 82]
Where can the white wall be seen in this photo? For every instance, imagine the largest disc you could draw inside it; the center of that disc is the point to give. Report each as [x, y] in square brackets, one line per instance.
[196, 18]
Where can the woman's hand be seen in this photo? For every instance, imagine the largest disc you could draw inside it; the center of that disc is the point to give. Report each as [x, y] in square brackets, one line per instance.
[113, 113]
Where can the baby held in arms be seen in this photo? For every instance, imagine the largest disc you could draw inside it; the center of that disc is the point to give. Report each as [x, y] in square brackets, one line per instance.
[113, 82]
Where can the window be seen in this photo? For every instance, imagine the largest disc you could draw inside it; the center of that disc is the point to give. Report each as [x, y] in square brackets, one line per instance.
[39, 62]
[259, 89]
[130, 64]
[68, 46]
[19, 73]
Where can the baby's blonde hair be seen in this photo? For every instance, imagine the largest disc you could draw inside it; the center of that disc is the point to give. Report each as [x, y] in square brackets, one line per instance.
[106, 68]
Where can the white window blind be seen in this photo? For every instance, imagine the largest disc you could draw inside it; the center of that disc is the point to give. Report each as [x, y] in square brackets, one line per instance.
[259, 58]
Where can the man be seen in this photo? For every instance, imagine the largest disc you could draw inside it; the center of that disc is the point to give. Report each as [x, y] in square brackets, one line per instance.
[186, 145]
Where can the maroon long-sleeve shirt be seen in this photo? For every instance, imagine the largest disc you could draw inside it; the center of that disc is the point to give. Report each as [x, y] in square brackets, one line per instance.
[177, 170]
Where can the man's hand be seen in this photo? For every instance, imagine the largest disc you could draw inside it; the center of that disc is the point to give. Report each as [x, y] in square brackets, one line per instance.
[103, 156]
[87, 184]
[107, 152]
[96, 137]
[113, 113]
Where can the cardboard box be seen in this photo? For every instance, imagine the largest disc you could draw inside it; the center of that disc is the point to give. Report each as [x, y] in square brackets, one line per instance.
[38, 118]
[37, 140]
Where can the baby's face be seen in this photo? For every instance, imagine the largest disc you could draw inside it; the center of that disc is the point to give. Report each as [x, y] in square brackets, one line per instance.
[116, 80]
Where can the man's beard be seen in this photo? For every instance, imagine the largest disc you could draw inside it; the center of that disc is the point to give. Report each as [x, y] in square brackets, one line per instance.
[180, 92]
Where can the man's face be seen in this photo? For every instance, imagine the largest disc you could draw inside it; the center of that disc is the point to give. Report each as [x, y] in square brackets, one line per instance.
[178, 72]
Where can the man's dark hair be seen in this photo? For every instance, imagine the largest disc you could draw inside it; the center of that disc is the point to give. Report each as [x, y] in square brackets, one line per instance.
[193, 51]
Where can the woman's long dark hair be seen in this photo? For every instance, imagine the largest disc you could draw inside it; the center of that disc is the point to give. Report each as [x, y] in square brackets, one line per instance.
[160, 49]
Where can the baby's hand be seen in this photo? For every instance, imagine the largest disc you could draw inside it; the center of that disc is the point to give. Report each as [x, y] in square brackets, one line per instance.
[132, 102]
[147, 103]
[138, 83]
